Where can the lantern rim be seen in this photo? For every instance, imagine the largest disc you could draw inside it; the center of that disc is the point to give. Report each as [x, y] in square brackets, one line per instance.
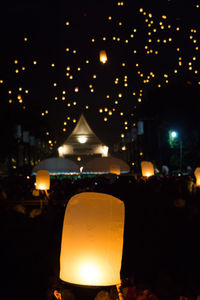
[68, 283]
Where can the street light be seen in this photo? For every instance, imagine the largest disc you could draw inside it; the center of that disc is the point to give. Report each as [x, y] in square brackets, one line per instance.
[173, 135]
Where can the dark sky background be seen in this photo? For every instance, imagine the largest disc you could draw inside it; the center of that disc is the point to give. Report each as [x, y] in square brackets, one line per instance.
[43, 23]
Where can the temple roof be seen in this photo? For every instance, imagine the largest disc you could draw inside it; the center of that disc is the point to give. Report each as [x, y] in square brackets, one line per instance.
[82, 129]
[82, 141]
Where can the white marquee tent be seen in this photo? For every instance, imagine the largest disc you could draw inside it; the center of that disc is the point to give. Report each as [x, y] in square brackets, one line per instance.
[104, 165]
[56, 166]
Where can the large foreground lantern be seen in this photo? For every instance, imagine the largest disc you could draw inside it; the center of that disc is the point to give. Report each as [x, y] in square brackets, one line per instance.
[197, 175]
[92, 240]
[42, 180]
[147, 168]
[103, 56]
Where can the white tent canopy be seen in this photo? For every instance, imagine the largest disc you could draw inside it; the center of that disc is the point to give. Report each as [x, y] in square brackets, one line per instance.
[56, 166]
[102, 165]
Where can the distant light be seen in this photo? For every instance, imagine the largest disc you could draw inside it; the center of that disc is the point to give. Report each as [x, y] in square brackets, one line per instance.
[76, 89]
[105, 150]
[82, 139]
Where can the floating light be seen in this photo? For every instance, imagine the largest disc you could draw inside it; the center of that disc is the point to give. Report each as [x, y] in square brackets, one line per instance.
[103, 56]
[42, 180]
[147, 168]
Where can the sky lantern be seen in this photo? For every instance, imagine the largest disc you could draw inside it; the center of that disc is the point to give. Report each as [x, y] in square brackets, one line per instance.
[147, 168]
[103, 56]
[42, 180]
[92, 240]
[197, 175]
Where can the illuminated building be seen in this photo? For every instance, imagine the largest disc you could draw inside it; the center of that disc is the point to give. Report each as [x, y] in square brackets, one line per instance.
[82, 143]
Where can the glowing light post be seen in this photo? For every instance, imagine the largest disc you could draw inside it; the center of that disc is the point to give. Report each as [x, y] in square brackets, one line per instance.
[172, 136]
[92, 240]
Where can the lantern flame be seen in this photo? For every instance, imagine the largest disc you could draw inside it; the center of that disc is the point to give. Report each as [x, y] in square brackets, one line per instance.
[148, 174]
[89, 272]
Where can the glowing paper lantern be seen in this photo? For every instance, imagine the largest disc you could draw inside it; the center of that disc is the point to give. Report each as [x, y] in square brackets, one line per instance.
[147, 168]
[114, 169]
[103, 56]
[42, 180]
[197, 175]
[92, 240]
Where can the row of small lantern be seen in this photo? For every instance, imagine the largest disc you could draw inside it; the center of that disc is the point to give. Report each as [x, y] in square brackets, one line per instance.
[148, 171]
[147, 168]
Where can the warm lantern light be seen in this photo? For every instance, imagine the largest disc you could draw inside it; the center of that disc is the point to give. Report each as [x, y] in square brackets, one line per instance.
[197, 175]
[92, 240]
[42, 180]
[103, 56]
[114, 169]
[147, 168]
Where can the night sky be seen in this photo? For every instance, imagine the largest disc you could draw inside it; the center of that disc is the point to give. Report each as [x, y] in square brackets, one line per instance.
[50, 69]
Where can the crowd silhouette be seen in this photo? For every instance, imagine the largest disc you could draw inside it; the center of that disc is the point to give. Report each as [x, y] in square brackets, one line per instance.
[161, 237]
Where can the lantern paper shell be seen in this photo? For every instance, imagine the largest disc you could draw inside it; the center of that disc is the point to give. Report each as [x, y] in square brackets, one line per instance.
[197, 175]
[42, 180]
[147, 168]
[92, 240]
[103, 56]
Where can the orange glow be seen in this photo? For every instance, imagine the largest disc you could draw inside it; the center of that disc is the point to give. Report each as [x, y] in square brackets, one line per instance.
[91, 248]
[103, 56]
